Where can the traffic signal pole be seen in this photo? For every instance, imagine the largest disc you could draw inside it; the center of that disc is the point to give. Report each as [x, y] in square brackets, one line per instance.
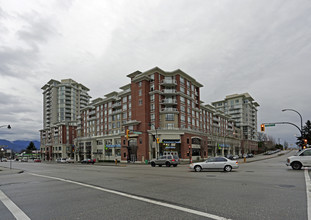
[266, 125]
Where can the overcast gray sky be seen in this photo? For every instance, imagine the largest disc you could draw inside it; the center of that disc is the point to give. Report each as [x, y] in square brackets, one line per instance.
[262, 47]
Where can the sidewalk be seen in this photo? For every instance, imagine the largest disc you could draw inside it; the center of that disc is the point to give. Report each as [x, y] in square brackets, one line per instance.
[259, 157]
[8, 171]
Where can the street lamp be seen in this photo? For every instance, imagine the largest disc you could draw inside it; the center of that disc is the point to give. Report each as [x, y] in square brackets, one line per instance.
[8, 126]
[283, 110]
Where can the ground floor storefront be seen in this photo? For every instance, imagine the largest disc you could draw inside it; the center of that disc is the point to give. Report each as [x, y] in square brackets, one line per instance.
[141, 147]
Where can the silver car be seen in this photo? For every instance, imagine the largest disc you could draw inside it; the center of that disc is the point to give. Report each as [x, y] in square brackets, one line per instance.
[166, 160]
[215, 163]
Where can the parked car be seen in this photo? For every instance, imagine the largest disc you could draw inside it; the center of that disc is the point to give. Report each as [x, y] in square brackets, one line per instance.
[25, 159]
[69, 160]
[215, 163]
[250, 155]
[4, 160]
[229, 156]
[61, 160]
[235, 157]
[166, 160]
[88, 161]
[301, 159]
[37, 160]
[245, 155]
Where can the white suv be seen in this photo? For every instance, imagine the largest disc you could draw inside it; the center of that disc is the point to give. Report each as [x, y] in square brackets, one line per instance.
[302, 158]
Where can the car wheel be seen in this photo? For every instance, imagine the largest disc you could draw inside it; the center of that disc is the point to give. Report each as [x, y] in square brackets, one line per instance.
[175, 165]
[168, 164]
[296, 166]
[227, 168]
[153, 164]
[197, 169]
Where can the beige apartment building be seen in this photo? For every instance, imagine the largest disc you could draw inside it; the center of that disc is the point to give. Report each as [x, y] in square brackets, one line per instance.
[62, 103]
[243, 110]
[157, 113]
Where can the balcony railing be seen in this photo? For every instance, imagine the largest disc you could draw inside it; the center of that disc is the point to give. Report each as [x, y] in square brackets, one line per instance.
[116, 105]
[169, 91]
[169, 110]
[169, 101]
[169, 82]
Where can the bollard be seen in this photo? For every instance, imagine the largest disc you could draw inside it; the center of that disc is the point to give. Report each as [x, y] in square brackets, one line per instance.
[116, 161]
[244, 159]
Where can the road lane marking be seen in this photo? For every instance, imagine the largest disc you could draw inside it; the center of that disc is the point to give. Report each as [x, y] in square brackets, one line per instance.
[167, 205]
[17, 212]
[308, 188]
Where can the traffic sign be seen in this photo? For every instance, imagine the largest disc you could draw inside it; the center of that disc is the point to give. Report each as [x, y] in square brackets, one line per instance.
[137, 132]
[269, 125]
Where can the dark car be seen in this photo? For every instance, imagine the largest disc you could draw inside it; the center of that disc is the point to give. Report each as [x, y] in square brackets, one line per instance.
[37, 160]
[166, 160]
[88, 161]
[229, 156]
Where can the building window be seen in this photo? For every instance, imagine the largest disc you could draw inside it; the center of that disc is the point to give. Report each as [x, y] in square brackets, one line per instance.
[182, 80]
[140, 92]
[182, 89]
[140, 102]
[152, 117]
[108, 151]
[182, 99]
[124, 106]
[139, 84]
[169, 117]
[169, 126]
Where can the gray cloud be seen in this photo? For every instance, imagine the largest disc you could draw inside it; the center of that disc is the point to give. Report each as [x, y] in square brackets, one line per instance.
[261, 47]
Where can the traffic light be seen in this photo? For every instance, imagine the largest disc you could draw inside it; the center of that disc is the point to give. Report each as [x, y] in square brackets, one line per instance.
[262, 127]
[158, 140]
[305, 141]
[127, 133]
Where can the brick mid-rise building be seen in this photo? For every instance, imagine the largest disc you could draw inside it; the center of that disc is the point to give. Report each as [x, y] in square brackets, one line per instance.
[155, 105]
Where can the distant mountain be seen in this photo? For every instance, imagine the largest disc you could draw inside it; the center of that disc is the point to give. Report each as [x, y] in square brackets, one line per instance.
[18, 145]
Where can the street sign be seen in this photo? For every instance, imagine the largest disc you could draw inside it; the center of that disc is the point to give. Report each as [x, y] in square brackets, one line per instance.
[137, 132]
[269, 125]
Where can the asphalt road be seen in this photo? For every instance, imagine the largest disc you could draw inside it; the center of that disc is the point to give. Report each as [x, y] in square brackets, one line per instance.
[265, 189]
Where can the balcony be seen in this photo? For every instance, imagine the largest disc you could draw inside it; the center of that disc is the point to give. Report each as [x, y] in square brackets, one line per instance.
[116, 105]
[116, 111]
[91, 113]
[216, 119]
[169, 110]
[169, 101]
[168, 82]
[169, 91]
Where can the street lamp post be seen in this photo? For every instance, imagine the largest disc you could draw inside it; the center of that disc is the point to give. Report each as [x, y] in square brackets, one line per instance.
[8, 126]
[283, 110]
